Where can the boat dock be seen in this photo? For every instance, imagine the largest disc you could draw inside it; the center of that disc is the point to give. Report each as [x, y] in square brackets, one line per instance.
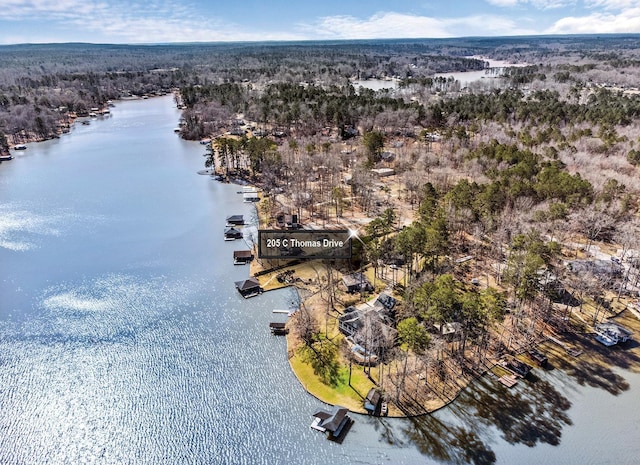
[508, 380]
[278, 329]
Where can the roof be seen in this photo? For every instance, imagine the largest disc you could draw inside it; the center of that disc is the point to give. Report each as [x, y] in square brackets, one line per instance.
[351, 317]
[382, 172]
[355, 279]
[235, 219]
[387, 301]
[332, 421]
[373, 396]
[232, 231]
[242, 254]
[448, 328]
[247, 284]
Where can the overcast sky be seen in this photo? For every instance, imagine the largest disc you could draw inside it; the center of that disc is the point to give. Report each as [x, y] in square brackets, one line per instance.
[159, 21]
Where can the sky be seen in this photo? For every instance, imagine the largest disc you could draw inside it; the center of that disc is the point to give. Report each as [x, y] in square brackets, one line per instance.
[162, 21]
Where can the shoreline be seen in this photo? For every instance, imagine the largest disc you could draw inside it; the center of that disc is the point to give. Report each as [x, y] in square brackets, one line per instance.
[560, 348]
[66, 124]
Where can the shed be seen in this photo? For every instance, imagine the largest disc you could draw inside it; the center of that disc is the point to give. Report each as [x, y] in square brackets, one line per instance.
[448, 329]
[372, 401]
[357, 282]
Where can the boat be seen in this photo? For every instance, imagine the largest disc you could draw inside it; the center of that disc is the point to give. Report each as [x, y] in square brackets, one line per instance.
[537, 356]
[606, 340]
[515, 366]
[20, 147]
[6, 157]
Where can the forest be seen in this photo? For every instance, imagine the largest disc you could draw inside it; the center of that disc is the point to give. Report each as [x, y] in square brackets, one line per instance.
[506, 194]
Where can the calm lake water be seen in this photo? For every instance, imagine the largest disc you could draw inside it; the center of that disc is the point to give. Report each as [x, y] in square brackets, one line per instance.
[123, 340]
[496, 70]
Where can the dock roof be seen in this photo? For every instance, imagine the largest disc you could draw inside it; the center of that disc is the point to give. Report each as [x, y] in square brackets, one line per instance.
[333, 421]
[242, 254]
[247, 284]
[235, 219]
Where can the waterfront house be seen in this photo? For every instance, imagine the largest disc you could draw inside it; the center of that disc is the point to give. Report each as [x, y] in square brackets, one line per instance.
[249, 287]
[350, 321]
[368, 330]
[334, 423]
[385, 306]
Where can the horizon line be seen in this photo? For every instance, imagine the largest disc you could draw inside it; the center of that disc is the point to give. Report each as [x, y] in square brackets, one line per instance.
[311, 41]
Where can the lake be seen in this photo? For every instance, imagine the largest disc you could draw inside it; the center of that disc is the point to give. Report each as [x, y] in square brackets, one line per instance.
[123, 340]
[495, 70]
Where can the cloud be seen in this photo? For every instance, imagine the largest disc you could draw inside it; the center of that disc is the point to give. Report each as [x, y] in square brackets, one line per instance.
[156, 21]
[133, 22]
[626, 21]
[54, 9]
[540, 4]
[505, 3]
[398, 25]
[380, 25]
[611, 4]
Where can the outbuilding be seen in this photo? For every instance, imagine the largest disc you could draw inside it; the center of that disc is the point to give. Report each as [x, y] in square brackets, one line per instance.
[249, 287]
[242, 257]
[334, 423]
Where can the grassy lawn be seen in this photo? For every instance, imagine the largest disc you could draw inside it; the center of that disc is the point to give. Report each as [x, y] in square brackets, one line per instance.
[349, 396]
